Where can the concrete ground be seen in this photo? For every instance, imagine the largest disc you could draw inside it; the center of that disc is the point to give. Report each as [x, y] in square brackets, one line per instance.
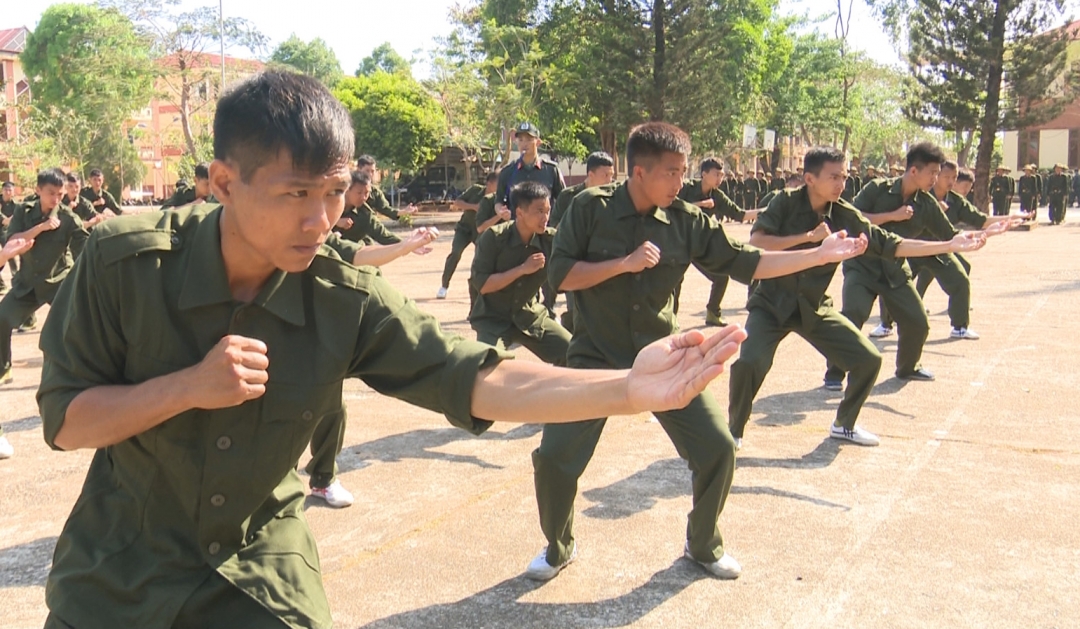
[966, 516]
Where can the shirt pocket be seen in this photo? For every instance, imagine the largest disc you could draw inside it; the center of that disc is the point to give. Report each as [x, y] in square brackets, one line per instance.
[291, 412]
[606, 248]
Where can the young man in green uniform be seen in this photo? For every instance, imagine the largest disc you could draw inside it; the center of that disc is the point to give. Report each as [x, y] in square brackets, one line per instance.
[377, 200]
[196, 349]
[1029, 193]
[358, 222]
[199, 193]
[58, 238]
[706, 194]
[778, 181]
[465, 230]
[904, 206]
[12, 247]
[999, 192]
[799, 218]
[622, 249]
[79, 205]
[98, 196]
[1057, 191]
[508, 270]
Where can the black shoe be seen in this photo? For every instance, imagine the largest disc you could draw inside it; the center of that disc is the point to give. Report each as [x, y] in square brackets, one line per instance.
[919, 374]
[834, 385]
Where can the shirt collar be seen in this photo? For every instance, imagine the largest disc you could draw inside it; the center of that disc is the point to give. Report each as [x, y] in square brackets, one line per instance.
[205, 281]
[804, 202]
[622, 206]
[521, 163]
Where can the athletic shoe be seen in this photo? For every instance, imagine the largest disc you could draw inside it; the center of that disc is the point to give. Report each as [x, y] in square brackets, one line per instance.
[725, 567]
[6, 451]
[834, 385]
[881, 332]
[714, 320]
[335, 495]
[964, 333]
[919, 374]
[858, 435]
[738, 443]
[6, 377]
[540, 570]
[441, 294]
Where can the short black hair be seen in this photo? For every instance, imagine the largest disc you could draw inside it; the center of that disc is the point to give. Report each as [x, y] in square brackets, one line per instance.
[8, 184]
[491, 177]
[96, 172]
[597, 160]
[965, 175]
[816, 158]
[274, 111]
[202, 170]
[649, 141]
[949, 165]
[526, 192]
[360, 178]
[51, 177]
[73, 177]
[710, 164]
[924, 154]
[365, 160]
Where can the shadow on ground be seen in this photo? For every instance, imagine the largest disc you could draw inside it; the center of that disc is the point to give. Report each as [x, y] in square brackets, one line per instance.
[423, 445]
[667, 479]
[28, 564]
[498, 606]
[793, 407]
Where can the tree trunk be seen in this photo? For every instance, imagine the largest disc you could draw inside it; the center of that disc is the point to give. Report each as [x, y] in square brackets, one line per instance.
[989, 124]
[185, 113]
[967, 136]
[660, 82]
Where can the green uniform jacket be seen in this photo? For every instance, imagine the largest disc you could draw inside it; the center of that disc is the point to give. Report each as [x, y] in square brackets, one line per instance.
[486, 211]
[962, 211]
[776, 184]
[999, 187]
[928, 221]
[723, 206]
[378, 202]
[790, 213]
[47, 263]
[217, 490]
[185, 196]
[1029, 185]
[467, 222]
[614, 320]
[563, 203]
[366, 228]
[1057, 185]
[82, 208]
[101, 201]
[500, 249]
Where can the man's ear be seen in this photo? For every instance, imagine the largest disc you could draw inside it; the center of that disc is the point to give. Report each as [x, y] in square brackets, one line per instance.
[222, 177]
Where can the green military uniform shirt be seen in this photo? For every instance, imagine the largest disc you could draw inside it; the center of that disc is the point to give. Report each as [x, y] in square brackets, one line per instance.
[1057, 185]
[927, 222]
[563, 203]
[365, 228]
[486, 211]
[82, 208]
[105, 197]
[46, 264]
[692, 192]
[1029, 186]
[7, 210]
[999, 187]
[377, 201]
[776, 184]
[790, 213]
[962, 211]
[185, 196]
[615, 319]
[500, 249]
[472, 195]
[217, 490]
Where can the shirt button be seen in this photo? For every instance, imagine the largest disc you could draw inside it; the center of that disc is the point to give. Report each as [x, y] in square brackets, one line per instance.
[214, 548]
[307, 416]
[636, 307]
[224, 443]
[217, 500]
[175, 240]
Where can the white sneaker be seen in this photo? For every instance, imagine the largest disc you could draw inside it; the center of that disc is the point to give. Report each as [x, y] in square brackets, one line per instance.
[964, 333]
[6, 451]
[858, 435]
[725, 567]
[540, 570]
[441, 294]
[335, 495]
[738, 443]
[880, 332]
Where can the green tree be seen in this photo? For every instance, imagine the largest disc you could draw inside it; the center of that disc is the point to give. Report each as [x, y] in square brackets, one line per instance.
[384, 58]
[314, 58]
[394, 117]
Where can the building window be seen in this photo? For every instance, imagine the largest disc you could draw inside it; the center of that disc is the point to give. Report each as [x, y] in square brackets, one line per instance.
[1027, 148]
[1074, 148]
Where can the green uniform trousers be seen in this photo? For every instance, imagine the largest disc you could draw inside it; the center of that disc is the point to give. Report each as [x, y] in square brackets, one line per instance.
[716, 293]
[14, 310]
[326, 444]
[550, 347]
[462, 239]
[926, 275]
[1029, 203]
[832, 334]
[904, 304]
[1057, 208]
[1001, 205]
[953, 279]
[701, 437]
[215, 604]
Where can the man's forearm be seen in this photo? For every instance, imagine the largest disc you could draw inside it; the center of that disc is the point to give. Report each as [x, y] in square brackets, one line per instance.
[488, 224]
[378, 255]
[778, 243]
[499, 281]
[519, 391]
[107, 415]
[922, 248]
[879, 219]
[781, 263]
[585, 275]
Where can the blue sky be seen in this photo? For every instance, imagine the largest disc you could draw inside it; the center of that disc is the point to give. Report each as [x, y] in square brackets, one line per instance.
[354, 28]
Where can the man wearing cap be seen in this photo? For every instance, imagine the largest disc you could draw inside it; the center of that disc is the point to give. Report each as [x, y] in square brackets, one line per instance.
[999, 192]
[1057, 191]
[1029, 192]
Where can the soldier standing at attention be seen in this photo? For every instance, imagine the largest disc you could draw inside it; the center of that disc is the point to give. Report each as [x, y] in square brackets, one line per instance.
[98, 196]
[1029, 193]
[622, 249]
[705, 193]
[999, 192]
[196, 350]
[1057, 191]
[465, 230]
